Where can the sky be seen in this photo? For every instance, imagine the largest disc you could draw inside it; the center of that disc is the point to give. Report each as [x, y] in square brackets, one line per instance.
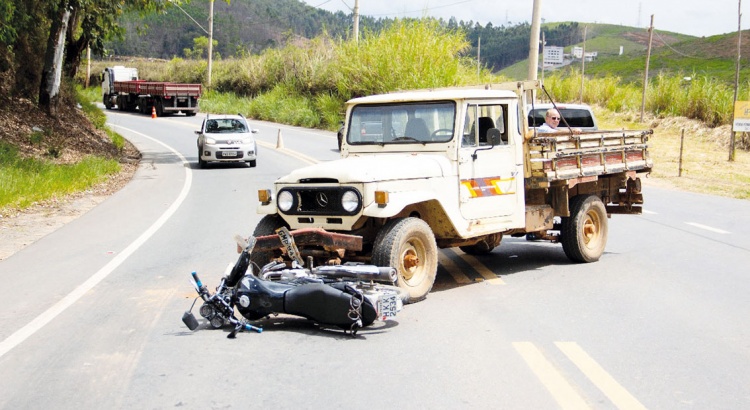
[693, 17]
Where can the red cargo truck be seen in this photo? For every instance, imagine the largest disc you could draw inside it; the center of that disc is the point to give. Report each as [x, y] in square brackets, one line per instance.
[132, 94]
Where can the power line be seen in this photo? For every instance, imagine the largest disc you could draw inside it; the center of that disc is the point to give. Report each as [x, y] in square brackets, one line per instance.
[679, 52]
[422, 10]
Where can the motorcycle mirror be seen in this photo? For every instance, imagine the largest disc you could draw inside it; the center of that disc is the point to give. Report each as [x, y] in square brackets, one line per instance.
[190, 321]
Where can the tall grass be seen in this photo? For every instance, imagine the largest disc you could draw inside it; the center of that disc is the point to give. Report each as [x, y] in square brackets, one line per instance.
[24, 181]
[701, 97]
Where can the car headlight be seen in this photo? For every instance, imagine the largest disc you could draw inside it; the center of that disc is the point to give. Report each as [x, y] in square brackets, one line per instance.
[285, 201]
[210, 141]
[350, 201]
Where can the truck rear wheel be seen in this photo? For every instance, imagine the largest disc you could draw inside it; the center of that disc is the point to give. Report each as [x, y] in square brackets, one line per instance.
[267, 226]
[159, 108]
[584, 233]
[408, 245]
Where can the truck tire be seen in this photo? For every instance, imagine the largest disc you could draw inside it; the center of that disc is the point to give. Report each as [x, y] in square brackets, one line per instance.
[584, 233]
[159, 108]
[408, 245]
[267, 226]
[107, 102]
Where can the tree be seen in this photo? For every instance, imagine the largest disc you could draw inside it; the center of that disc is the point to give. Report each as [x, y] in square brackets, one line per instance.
[200, 48]
[49, 87]
[74, 25]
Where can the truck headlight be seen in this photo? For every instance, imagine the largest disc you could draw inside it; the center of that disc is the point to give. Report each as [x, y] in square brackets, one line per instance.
[350, 201]
[285, 201]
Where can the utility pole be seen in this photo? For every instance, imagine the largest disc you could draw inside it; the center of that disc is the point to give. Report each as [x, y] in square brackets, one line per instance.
[736, 75]
[544, 43]
[583, 62]
[479, 58]
[645, 74]
[210, 40]
[355, 28]
[534, 40]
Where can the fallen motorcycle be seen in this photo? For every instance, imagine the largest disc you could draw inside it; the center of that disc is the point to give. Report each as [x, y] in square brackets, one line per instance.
[349, 296]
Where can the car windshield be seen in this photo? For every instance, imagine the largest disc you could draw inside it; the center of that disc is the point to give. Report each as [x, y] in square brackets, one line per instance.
[225, 126]
[401, 123]
[576, 117]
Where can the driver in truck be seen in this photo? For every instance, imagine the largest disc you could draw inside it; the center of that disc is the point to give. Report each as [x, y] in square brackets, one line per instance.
[552, 121]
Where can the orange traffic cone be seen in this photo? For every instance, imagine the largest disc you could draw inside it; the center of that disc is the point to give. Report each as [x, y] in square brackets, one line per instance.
[153, 112]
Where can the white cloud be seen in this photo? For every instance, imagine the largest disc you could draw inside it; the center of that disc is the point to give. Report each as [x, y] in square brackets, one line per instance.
[693, 17]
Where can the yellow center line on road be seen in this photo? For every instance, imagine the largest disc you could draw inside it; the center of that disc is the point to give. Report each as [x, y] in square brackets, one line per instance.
[291, 153]
[603, 380]
[453, 269]
[489, 276]
[563, 393]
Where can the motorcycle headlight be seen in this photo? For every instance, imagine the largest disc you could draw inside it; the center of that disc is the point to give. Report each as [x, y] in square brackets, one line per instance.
[285, 201]
[350, 201]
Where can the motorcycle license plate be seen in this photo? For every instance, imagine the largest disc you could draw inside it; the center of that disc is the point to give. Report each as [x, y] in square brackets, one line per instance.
[388, 306]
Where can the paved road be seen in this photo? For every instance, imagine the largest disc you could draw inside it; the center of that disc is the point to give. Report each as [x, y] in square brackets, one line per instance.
[90, 316]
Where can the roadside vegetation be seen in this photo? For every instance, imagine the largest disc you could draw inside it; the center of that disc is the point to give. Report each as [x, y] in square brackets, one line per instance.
[28, 179]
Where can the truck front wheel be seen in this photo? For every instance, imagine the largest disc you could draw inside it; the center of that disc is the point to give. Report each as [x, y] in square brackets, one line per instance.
[408, 245]
[584, 232]
[267, 226]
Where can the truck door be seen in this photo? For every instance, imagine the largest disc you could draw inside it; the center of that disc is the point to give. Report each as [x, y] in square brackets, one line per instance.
[490, 177]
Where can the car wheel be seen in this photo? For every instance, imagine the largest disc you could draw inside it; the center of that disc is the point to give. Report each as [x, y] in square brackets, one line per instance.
[201, 162]
[251, 164]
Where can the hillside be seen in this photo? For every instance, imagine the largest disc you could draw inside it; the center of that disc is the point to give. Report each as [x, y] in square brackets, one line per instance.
[606, 40]
[244, 27]
[714, 56]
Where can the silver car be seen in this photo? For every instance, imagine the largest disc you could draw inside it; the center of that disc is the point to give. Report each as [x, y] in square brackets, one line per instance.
[226, 138]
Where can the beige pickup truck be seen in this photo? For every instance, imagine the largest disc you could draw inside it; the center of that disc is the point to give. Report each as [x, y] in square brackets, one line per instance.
[423, 170]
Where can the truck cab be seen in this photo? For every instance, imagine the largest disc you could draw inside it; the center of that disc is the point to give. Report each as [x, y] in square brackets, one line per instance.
[112, 74]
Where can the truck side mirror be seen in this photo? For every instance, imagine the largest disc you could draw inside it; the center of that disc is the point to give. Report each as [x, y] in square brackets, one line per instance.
[494, 136]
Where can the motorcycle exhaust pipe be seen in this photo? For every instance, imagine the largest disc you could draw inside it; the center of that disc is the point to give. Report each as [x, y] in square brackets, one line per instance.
[359, 272]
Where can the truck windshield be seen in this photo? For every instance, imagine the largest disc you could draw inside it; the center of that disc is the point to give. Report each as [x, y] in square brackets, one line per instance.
[381, 124]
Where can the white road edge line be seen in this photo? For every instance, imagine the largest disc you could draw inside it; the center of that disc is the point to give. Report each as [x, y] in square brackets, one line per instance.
[40, 321]
[708, 228]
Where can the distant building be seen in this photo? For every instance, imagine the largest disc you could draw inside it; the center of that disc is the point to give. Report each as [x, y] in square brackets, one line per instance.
[553, 55]
[577, 52]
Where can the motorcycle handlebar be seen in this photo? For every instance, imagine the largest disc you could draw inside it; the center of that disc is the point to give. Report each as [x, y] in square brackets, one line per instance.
[197, 280]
